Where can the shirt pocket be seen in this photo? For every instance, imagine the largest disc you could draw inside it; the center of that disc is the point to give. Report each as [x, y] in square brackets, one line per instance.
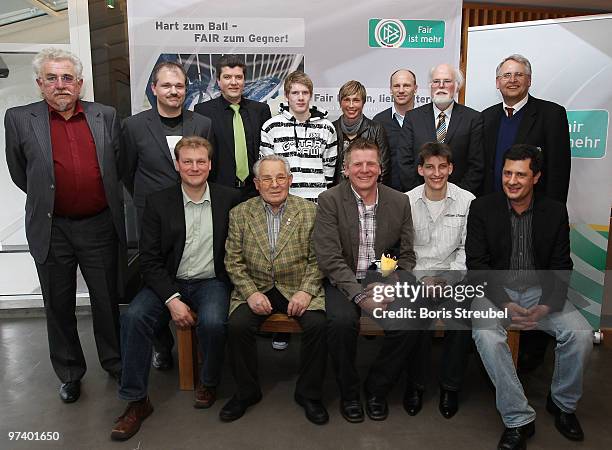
[422, 234]
[453, 228]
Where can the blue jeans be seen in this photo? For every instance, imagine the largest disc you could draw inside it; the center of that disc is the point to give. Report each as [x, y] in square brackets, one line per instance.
[574, 343]
[147, 314]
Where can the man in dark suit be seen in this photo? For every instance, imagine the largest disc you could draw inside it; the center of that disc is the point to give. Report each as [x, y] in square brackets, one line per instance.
[182, 249]
[520, 242]
[62, 152]
[523, 119]
[403, 86]
[237, 123]
[148, 140]
[356, 222]
[444, 120]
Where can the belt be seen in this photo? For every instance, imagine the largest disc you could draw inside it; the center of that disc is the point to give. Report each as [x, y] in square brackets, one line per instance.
[239, 183]
[81, 217]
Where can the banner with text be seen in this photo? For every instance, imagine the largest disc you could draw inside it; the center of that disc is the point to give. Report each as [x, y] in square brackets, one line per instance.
[333, 42]
[572, 64]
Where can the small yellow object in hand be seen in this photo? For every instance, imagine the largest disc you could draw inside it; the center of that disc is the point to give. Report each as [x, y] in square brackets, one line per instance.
[388, 264]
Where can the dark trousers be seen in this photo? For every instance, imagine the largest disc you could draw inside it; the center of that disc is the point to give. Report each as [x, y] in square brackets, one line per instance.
[457, 344]
[342, 333]
[244, 323]
[92, 245]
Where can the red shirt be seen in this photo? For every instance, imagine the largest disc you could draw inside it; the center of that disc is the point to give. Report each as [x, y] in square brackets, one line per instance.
[79, 191]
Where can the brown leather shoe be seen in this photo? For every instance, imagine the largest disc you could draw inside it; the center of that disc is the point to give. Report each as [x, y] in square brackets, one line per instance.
[128, 424]
[205, 396]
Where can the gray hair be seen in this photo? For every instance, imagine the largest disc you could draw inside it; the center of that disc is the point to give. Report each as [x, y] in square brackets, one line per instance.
[272, 157]
[458, 75]
[517, 58]
[56, 54]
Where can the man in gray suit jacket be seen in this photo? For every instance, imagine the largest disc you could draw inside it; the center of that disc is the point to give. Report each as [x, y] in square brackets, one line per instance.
[356, 222]
[444, 120]
[147, 142]
[62, 152]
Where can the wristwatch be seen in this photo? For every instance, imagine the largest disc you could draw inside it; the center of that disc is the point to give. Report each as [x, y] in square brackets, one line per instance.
[359, 297]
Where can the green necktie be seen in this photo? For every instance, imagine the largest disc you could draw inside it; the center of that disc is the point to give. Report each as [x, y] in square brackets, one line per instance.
[240, 147]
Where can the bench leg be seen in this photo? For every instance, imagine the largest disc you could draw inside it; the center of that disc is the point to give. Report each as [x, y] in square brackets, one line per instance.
[514, 337]
[187, 359]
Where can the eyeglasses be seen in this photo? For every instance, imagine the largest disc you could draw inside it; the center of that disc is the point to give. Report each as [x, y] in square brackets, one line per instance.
[437, 82]
[508, 75]
[281, 180]
[66, 79]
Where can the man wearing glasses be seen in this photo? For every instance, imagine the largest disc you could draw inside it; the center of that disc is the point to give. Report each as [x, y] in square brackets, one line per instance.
[148, 139]
[445, 121]
[62, 152]
[270, 259]
[523, 119]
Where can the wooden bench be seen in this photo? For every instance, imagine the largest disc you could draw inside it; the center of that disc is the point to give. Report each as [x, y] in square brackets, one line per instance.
[277, 323]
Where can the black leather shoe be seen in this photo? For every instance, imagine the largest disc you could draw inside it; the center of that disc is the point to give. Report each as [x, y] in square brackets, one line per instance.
[351, 410]
[567, 423]
[162, 360]
[314, 409]
[449, 403]
[413, 401]
[377, 407]
[70, 392]
[516, 438]
[234, 409]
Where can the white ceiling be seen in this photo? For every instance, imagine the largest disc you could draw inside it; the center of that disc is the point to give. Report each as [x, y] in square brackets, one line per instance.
[602, 5]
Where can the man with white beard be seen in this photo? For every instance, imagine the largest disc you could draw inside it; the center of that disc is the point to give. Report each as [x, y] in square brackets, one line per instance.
[446, 121]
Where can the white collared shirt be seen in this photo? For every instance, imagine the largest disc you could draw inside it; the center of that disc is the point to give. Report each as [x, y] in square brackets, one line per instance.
[397, 116]
[440, 244]
[448, 112]
[517, 106]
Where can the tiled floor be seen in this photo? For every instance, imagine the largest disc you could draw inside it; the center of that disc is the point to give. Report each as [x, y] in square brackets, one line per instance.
[29, 402]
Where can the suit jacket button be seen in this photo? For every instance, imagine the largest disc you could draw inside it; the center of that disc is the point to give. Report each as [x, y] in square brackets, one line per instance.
[49, 215]
[52, 186]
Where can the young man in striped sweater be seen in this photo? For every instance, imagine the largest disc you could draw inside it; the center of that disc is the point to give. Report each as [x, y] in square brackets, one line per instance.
[304, 136]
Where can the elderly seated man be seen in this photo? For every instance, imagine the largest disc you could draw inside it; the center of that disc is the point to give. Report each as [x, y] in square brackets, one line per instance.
[271, 262]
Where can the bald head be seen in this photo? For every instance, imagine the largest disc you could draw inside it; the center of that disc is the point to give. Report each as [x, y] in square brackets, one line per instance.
[403, 87]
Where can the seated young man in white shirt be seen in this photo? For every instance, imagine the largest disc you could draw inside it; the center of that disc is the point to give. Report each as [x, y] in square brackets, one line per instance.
[439, 215]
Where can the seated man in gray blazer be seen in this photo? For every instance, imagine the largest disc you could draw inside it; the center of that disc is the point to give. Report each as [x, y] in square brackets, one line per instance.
[148, 140]
[356, 222]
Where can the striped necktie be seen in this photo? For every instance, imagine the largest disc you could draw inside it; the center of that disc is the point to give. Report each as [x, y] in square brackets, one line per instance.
[441, 128]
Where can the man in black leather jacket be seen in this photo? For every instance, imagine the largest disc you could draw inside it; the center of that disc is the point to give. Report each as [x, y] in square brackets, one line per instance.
[352, 124]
